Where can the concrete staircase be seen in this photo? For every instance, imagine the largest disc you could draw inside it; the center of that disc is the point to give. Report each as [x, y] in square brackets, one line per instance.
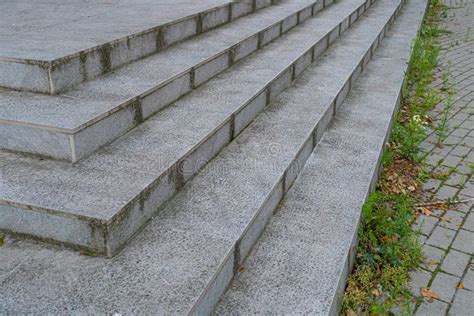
[173, 165]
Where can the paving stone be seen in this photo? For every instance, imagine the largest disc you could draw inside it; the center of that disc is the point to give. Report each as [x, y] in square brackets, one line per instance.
[468, 189]
[469, 222]
[455, 263]
[446, 192]
[442, 170]
[427, 147]
[442, 151]
[462, 303]
[453, 140]
[464, 241]
[430, 308]
[434, 160]
[441, 237]
[452, 220]
[432, 257]
[451, 161]
[460, 132]
[463, 207]
[425, 224]
[456, 179]
[468, 141]
[421, 239]
[444, 285]
[431, 185]
[460, 151]
[468, 279]
[418, 279]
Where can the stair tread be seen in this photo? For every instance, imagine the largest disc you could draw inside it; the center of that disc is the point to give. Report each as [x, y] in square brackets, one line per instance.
[94, 99]
[301, 261]
[114, 175]
[172, 262]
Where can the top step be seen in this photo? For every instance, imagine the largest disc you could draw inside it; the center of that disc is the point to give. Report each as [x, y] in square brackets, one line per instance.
[57, 44]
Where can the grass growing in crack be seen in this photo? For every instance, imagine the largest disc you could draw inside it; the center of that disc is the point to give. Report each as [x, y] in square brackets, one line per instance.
[388, 248]
[441, 129]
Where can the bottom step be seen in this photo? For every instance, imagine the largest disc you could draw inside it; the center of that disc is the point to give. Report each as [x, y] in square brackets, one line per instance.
[301, 261]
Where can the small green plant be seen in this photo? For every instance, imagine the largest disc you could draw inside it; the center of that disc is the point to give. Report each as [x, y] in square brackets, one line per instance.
[388, 250]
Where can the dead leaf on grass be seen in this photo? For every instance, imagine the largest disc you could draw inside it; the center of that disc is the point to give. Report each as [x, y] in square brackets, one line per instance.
[351, 313]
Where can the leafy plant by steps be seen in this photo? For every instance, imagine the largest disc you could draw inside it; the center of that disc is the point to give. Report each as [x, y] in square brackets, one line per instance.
[388, 248]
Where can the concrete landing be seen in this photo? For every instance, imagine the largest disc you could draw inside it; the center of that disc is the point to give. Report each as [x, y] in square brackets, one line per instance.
[51, 29]
[50, 46]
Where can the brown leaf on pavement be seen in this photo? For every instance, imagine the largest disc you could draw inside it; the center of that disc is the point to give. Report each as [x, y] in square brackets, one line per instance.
[426, 292]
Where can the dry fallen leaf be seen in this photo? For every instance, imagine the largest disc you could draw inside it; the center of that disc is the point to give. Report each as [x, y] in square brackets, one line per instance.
[460, 285]
[411, 188]
[241, 269]
[376, 292]
[426, 292]
[444, 219]
[433, 262]
[351, 313]
[425, 211]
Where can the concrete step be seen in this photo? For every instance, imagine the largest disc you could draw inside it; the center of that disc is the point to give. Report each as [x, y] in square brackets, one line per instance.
[183, 260]
[101, 201]
[72, 125]
[301, 262]
[57, 45]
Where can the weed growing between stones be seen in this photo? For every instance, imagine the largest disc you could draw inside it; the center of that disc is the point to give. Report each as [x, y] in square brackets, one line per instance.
[388, 248]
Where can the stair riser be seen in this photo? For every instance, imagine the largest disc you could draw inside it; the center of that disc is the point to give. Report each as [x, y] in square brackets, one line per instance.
[116, 232]
[75, 144]
[241, 249]
[56, 76]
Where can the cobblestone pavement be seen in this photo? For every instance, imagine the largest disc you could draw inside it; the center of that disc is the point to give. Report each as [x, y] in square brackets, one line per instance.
[448, 236]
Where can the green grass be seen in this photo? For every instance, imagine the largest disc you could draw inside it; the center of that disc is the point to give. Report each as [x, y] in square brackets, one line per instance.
[387, 251]
[388, 248]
